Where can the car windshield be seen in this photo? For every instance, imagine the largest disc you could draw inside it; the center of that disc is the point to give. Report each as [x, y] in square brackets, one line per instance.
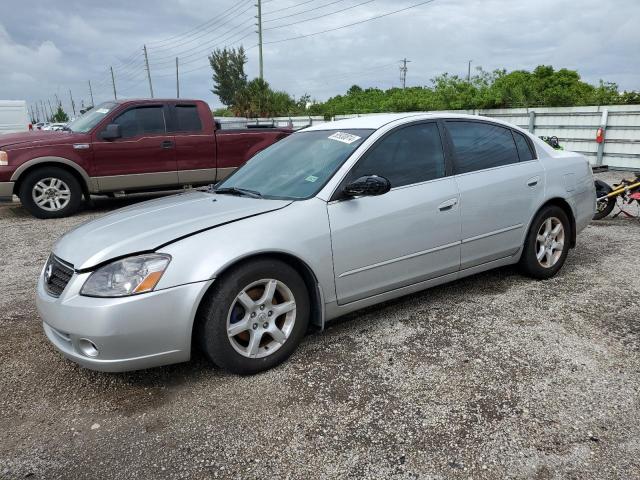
[296, 167]
[90, 119]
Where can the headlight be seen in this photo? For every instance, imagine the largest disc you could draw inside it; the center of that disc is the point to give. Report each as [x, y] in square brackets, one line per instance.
[129, 276]
[4, 159]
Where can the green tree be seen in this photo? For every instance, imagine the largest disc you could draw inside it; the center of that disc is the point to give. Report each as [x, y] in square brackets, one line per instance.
[257, 99]
[228, 73]
[60, 116]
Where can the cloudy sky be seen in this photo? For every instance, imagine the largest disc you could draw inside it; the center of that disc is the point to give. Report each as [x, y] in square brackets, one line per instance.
[47, 48]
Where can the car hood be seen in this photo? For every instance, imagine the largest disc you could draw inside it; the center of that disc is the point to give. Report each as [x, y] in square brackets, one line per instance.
[42, 137]
[149, 225]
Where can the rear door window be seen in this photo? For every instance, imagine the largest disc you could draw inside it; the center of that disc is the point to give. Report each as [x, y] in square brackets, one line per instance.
[187, 119]
[478, 146]
[405, 156]
[141, 121]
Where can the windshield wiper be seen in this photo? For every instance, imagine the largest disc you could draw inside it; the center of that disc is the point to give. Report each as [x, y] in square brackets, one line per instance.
[238, 191]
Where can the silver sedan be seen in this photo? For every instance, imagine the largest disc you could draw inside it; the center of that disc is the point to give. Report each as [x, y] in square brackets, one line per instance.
[334, 218]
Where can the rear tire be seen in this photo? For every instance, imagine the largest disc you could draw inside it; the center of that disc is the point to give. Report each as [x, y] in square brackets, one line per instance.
[243, 330]
[604, 207]
[50, 192]
[547, 243]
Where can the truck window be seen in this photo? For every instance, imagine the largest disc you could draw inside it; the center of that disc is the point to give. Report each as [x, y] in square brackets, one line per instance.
[187, 119]
[141, 121]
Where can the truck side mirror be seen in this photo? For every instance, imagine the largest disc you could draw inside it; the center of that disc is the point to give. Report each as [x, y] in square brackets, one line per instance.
[112, 132]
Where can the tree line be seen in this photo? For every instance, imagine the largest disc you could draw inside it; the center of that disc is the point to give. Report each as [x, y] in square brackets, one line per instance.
[543, 87]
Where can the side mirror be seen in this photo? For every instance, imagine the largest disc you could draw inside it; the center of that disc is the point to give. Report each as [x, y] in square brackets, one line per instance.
[112, 132]
[367, 186]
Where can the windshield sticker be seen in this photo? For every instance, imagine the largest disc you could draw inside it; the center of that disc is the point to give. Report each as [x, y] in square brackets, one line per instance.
[102, 110]
[344, 137]
[311, 178]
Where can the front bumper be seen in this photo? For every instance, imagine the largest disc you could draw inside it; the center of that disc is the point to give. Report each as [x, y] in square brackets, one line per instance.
[129, 333]
[6, 191]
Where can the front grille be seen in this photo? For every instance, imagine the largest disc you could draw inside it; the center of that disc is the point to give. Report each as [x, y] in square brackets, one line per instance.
[56, 276]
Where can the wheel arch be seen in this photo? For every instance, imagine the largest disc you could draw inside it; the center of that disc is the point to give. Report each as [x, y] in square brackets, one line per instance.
[566, 207]
[309, 277]
[59, 162]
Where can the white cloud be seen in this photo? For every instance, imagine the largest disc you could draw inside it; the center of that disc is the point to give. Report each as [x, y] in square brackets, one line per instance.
[47, 48]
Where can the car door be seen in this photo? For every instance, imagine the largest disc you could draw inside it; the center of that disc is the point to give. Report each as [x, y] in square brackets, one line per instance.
[499, 190]
[143, 157]
[195, 150]
[408, 235]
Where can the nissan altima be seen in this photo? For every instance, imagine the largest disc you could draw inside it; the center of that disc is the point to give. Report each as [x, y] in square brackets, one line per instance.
[334, 218]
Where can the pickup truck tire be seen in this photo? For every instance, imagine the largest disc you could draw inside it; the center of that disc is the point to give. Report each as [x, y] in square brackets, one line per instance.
[254, 317]
[547, 243]
[50, 192]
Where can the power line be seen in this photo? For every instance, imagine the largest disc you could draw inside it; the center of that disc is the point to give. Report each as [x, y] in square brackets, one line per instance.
[198, 27]
[241, 27]
[287, 8]
[350, 24]
[248, 31]
[304, 11]
[205, 33]
[321, 16]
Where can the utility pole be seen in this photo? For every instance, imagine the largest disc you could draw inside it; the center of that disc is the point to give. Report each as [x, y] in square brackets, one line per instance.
[113, 82]
[37, 113]
[259, 17]
[403, 72]
[50, 109]
[58, 102]
[73, 105]
[91, 94]
[177, 80]
[146, 61]
[44, 111]
[469, 72]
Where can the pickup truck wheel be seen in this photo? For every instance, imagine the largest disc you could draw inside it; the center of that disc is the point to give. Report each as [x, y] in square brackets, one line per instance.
[547, 244]
[50, 192]
[255, 317]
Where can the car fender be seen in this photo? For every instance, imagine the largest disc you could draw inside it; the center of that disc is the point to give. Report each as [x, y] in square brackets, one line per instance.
[204, 256]
[53, 160]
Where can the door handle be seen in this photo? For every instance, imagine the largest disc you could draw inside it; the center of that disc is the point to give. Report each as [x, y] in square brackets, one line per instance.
[166, 144]
[448, 205]
[532, 182]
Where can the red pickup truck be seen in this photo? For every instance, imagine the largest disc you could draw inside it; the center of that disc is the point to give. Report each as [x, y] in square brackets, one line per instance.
[124, 146]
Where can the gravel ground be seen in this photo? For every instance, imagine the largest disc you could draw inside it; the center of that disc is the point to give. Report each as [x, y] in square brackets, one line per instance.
[494, 376]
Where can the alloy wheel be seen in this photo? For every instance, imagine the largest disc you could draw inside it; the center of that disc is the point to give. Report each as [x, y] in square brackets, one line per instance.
[550, 242]
[51, 194]
[261, 318]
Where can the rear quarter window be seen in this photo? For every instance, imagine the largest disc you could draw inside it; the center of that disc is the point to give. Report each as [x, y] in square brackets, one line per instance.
[524, 149]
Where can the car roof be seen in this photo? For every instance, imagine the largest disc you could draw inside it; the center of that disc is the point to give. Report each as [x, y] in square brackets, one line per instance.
[377, 121]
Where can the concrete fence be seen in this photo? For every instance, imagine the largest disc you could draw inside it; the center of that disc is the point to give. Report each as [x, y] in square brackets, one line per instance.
[575, 127]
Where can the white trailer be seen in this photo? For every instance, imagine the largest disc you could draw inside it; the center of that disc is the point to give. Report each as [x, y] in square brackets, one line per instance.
[14, 117]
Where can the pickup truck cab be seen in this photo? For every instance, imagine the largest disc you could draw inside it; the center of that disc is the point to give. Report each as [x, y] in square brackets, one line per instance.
[124, 146]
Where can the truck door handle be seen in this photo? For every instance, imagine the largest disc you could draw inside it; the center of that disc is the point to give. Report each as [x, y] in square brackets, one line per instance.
[532, 182]
[448, 205]
[166, 144]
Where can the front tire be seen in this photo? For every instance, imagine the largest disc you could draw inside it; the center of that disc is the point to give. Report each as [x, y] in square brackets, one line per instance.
[254, 318]
[547, 243]
[50, 192]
